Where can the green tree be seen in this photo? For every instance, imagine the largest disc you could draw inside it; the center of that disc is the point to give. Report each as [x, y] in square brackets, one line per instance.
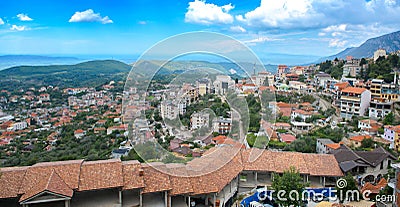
[289, 181]
[367, 143]
[389, 119]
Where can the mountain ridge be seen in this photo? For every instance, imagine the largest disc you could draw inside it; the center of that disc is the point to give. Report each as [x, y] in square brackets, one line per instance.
[390, 42]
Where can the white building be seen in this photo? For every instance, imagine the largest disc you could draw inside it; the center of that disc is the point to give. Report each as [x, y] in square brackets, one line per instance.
[325, 146]
[354, 101]
[19, 125]
[366, 123]
[169, 110]
[300, 113]
[379, 109]
[223, 125]
[297, 85]
[379, 53]
[223, 83]
[198, 120]
[320, 79]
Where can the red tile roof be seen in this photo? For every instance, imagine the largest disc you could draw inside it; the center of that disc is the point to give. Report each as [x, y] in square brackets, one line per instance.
[374, 189]
[333, 145]
[11, 181]
[132, 175]
[101, 175]
[288, 138]
[199, 176]
[54, 184]
[359, 138]
[154, 180]
[353, 90]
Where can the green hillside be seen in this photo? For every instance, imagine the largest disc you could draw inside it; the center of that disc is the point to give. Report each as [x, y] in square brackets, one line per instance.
[92, 73]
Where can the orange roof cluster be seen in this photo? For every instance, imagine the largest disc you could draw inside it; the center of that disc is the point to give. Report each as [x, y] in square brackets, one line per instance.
[359, 138]
[353, 90]
[199, 176]
[374, 189]
[342, 85]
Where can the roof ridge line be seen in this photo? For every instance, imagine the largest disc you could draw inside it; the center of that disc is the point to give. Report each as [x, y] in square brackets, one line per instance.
[48, 181]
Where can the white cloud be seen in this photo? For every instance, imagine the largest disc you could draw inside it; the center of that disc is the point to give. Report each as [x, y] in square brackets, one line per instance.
[300, 14]
[24, 17]
[1, 21]
[206, 13]
[142, 22]
[337, 43]
[237, 29]
[260, 39]
[18, 28]
[89, 16]
[284, 14]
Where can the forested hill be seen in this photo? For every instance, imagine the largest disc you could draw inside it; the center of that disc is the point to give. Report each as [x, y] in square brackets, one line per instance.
[91, 73]
[383, 68]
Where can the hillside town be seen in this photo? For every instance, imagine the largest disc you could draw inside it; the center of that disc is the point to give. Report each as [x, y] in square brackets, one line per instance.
[96, 146]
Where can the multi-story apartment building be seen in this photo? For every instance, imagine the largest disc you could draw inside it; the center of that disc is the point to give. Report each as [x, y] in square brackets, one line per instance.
[198, 120]
[380, 108]
[282, 70]
[169, 110]
[351, 68]
[203, 86]
[354, 101]
[223, 125]
[376, 87]
[389, 92]
[391, 134]
[223, 83]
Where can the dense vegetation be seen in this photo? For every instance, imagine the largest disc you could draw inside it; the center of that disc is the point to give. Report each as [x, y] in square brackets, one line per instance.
[335, 71]
[307, 143]
[91, 147]
[87, 74]
[382, 68]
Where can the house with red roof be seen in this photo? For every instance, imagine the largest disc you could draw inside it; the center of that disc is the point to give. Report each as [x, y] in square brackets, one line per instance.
[79, 133]
[357, 140]
[287, 138]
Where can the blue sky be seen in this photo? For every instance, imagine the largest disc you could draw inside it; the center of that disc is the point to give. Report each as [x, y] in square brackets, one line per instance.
[305, 29]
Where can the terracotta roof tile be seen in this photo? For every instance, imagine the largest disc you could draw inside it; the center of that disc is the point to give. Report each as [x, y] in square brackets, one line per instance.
[181, 183]
[11, 180]
[359, 138]
[50, 182]
[353, 90]
[101, 174]
[131, 172]
[333, 145]
[154, 180]
[313, 164]
[38, 175]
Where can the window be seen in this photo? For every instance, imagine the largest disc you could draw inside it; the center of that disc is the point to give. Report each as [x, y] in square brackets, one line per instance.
[381, 165]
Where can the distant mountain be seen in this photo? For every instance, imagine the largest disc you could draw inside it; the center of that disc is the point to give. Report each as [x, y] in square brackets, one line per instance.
[150, 66]
[389, 42]
[7, 61]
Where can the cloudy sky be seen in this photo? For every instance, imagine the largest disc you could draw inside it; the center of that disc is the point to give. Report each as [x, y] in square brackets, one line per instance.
[301, 29]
